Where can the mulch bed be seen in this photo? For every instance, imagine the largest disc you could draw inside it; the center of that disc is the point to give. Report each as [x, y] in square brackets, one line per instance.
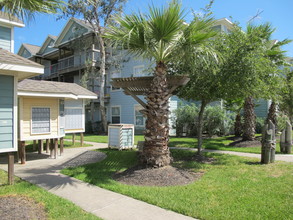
[20, 207]
[239, 143]
[163, 176]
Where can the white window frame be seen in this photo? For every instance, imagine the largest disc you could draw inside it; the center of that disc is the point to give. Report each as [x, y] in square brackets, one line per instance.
[140, 126]
[118, 72]
[116, 106]
[50, 128]
[136, 67]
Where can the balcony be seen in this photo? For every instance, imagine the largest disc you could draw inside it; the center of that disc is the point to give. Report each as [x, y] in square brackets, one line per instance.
[66, 63]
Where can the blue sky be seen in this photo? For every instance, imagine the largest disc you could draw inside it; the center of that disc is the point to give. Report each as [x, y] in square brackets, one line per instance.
[277, 12]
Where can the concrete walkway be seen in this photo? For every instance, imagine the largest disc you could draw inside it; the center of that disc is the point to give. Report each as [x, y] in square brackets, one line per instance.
[278, 157]
[45, 172]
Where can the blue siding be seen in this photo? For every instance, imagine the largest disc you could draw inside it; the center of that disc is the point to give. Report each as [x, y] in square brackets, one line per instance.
[6, 111]
[26, 54]
[49, 49]
[5, 38]
[74, 31]
[261, 108]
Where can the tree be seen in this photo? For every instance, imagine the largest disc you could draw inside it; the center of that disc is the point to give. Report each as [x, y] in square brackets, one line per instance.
[99, 14]
[26, 9]
[247, 70]
[236, 106]
[160, 36]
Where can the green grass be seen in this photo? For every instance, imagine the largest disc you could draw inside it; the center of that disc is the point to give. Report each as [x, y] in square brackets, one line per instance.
[56, 207]
[101, 138]
[67, 144]
[220, 143]
[231, 188]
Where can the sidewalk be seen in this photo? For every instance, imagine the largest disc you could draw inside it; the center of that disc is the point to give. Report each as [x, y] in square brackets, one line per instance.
[278, 157]
[45, 172]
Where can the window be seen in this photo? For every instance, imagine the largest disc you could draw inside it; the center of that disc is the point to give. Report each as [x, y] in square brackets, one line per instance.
[138, 116]
[40, 120]
[115, 115]
[115, 75]
[139, 71]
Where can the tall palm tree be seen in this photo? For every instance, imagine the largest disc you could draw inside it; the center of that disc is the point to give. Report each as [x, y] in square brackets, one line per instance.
[25, 9]
[160, 36]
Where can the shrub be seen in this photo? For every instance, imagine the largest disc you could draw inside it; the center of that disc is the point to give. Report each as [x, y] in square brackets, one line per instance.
[259, 123]
[281, 121]
[186, 120]
[218, 121]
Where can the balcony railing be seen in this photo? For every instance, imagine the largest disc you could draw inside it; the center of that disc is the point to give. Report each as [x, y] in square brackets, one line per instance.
[66, 63]
[54, 68]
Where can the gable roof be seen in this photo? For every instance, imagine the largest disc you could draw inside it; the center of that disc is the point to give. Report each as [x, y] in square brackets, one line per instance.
[43, 88]
[11, 63]
[33, 49]
[46, 43]
[67, 27]
[224, 21]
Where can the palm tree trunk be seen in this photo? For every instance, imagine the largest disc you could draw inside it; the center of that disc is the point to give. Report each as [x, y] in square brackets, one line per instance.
[156, 152]
[238, 125]
[249, 120]
[272, 115]
[200, 126]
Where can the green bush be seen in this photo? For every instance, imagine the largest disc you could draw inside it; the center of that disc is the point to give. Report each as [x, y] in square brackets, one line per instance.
[216, 121]
[281, 121]
[259, 123]
[185, 117]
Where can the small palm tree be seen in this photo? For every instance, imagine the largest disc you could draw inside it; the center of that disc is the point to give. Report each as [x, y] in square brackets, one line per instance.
[27, 8]
[159, 36]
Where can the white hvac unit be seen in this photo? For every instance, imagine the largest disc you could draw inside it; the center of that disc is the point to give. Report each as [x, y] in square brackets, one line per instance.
[121, 136]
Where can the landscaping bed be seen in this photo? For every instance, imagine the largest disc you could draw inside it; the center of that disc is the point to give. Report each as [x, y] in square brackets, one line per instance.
[229, 187]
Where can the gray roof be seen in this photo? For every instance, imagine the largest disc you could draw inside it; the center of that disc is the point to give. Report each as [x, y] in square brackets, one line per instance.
[33, 49]
[41, 86]
[7, 57]
[9, 17]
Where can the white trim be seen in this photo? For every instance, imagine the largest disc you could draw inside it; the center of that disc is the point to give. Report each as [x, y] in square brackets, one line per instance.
[21, 68]
[31, 119]
[134, 122]
[15, 119]
[41, 137]
[12, 40]
[57, 95]
[11, 23]
[43, 94]
[20, 109]
[116, 106]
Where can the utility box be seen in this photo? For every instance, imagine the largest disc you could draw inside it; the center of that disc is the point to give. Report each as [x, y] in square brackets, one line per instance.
[121, 136]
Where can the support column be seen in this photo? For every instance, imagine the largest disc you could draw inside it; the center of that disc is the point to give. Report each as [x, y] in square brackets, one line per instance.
[81, 139]
[22, 152]
[35, 145]
[55, 147]
[51, 147]
[11, 168]
[61, 146]
[40, 146]
[47, 145]
[73, 139]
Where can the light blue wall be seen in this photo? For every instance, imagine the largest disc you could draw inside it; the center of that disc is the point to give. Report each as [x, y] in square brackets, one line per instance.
[261, 108]
[49, 49]
[6, 111]
[74, 31]
[26, 53]
[5, 38]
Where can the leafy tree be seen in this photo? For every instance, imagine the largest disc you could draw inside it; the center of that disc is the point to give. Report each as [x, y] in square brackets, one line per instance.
[160, 36]
[26, 9]
[236, 106]
[247, 70]
[99, 14]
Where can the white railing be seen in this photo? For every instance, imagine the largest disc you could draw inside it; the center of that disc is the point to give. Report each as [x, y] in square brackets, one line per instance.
[66, 63]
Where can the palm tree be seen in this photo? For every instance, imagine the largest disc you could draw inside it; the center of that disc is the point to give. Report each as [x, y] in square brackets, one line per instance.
[27, 8]
[159, 36]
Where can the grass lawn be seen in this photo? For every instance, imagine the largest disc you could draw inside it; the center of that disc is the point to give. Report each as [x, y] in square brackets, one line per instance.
[56, 207]
[220, 143]
[67, 144]
[231, 188]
